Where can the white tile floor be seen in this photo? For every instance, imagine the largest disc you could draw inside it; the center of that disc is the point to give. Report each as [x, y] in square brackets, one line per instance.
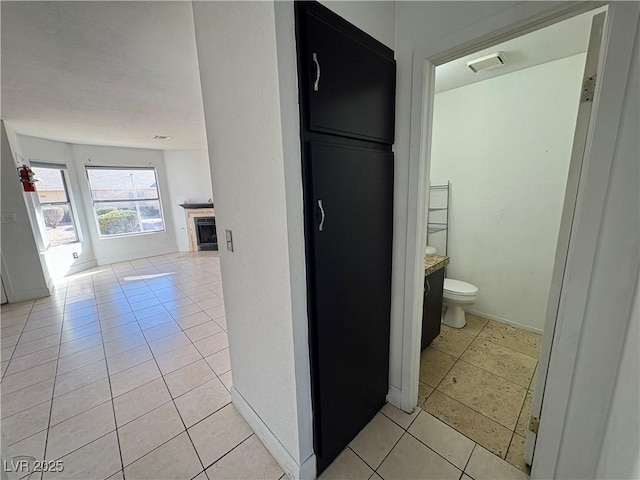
[124, 372]
[396, 445]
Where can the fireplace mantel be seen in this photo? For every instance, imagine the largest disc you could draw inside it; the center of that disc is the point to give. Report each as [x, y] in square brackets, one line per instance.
[190, 215]
[192, 206]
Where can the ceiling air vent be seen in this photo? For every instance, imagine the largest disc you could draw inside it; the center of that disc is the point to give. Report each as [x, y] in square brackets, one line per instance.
[488, 62]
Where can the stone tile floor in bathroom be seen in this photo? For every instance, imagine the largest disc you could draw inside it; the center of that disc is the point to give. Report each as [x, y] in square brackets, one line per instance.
[124, 372]
[479, 380]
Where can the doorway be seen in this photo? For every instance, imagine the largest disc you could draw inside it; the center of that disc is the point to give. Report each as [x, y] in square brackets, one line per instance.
[480, 378]
[561, 258]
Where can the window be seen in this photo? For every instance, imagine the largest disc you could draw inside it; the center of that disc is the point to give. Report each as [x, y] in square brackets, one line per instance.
[126, 201]
[55, 204]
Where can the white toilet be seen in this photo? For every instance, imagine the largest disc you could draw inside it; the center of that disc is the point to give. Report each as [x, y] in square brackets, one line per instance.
[458, 296]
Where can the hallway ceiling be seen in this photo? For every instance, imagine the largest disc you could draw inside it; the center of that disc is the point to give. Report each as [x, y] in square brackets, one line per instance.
[118, 73]
[108, 73]
[561, 40]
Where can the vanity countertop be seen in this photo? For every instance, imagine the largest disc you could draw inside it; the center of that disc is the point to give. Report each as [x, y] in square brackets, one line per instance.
[433, 263]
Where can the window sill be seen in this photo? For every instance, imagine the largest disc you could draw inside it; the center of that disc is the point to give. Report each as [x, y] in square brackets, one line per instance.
[53, 247]
[129, 235]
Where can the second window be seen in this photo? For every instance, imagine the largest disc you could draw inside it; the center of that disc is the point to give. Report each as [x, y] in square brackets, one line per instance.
[126, 201]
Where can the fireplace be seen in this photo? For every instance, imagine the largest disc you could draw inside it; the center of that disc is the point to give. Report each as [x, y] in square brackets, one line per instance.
[201, 226]
[206, 236]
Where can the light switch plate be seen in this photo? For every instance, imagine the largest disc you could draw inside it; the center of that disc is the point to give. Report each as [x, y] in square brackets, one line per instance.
[229, 238]
[8, 218]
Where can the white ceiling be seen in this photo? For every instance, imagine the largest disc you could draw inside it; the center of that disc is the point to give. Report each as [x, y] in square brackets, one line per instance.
[118, 73]
[108, 73]
[557, 41]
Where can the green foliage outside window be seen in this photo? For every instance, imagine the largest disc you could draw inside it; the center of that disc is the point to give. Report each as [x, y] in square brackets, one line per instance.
[116, 221]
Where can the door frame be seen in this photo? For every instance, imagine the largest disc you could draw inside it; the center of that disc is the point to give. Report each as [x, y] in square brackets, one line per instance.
[613, 73]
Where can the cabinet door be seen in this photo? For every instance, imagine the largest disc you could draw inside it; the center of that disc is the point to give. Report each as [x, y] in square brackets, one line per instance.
[349, 81]
[351, 228]
[432, 307]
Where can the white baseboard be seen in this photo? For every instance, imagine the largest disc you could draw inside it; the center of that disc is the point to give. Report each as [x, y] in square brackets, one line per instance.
[30, 295]
[81, 267]
[394, 397]
[127, 257]
[293, 470]
[508, 322]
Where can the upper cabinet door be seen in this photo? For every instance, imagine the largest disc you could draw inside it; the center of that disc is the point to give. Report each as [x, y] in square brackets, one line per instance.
[349, 79]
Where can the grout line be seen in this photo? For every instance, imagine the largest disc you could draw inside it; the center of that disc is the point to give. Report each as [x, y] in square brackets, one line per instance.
[464, 470]
[167, 386]
[19, 337]
[115, 421]
[53, 388]
[459, 359]
[475, 411]
[82, 446]
[441, 456]
[252, 435]
[492, 373]
[100, 326]
[24, 388]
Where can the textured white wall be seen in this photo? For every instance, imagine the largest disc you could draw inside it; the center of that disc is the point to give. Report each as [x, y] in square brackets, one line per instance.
[620, 454]
[189, 181]
[505, 145]
[23, 274]
[240, 89]
[377, 18]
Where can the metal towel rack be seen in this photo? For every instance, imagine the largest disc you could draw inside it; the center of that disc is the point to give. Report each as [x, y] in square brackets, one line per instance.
[435, 221]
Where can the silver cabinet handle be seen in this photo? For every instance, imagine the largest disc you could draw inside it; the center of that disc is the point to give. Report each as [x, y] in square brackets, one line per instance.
[427, 286]
[316, 83]
[321, 226]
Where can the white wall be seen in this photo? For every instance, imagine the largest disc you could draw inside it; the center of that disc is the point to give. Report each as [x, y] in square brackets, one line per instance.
[267, 331]
[189, 181]
[118, 249]
[377, 18]
[505, 145]
[620, 454]
[23, 275]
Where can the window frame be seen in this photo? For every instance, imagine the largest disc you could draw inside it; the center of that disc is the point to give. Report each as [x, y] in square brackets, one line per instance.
[157, 198]
[72, 213]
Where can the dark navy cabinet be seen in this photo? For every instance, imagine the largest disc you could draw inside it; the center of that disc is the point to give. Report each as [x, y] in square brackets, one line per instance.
[347, 95]
[432, 306]
[350, 82]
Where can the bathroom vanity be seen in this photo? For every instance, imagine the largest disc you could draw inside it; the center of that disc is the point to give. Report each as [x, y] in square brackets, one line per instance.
[433, 293]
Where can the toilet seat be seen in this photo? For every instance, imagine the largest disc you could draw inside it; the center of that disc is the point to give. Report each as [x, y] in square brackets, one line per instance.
[459, 288]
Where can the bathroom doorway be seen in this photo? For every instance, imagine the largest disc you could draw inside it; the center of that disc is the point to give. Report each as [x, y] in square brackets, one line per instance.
[506, 139]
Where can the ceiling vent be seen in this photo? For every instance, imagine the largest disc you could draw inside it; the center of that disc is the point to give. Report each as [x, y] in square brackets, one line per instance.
[488, 62]
[162, 137]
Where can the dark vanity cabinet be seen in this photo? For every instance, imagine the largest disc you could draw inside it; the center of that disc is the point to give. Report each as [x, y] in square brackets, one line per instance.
[346, 83]
[432, 309]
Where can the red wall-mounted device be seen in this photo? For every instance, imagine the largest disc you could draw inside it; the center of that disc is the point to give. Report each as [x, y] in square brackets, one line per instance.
[27, 178]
